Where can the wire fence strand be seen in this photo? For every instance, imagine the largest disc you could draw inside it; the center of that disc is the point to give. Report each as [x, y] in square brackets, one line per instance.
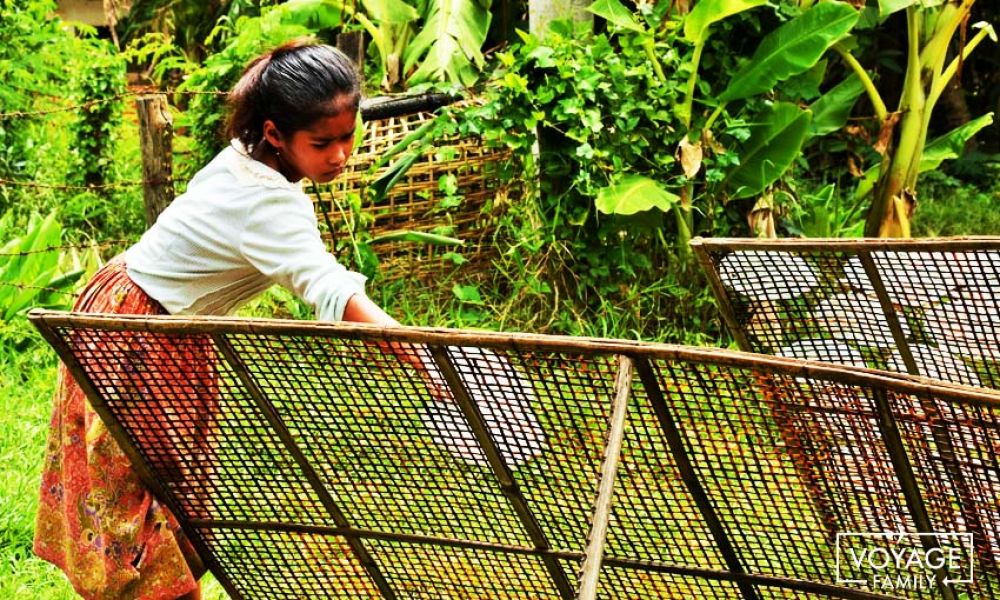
[21, 286]
[86, 186]
[22, 114]
[60, 248]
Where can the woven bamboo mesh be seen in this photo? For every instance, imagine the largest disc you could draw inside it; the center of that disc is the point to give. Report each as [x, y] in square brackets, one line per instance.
[926, 307]
[312, 463]
[415, 202]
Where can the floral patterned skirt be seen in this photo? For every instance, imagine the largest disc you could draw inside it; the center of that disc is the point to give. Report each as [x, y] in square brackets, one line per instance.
[96, 521]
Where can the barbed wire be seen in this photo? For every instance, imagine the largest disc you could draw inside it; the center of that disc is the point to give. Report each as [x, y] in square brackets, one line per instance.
[20, 114]
[22, 286]
[90, 186]
[104, 244]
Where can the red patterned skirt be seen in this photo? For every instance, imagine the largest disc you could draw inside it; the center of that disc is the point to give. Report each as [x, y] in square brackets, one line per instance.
[96, 521]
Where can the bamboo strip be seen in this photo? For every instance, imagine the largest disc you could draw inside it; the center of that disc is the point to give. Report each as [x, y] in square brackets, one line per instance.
[524, 342]
[650, 566]
[942, 438]
[689, 476]
[590, 572]
[891, 316]
[725, 304]
[941, 244]
[908, 481]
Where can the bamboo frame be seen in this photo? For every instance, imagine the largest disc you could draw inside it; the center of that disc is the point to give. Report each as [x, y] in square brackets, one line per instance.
[636, 363]
[517, 341]
[594, 554]
[898, 253]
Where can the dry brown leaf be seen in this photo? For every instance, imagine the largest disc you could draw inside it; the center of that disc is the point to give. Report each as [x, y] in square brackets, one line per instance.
[690, 156]
[885, 133]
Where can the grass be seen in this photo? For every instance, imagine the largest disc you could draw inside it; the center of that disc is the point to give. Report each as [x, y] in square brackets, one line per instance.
[949, 206]
[27, 382]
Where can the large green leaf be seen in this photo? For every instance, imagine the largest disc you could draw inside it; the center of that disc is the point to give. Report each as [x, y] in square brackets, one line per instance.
[422, 237]
[390, 11]
[613, 11]
[381, 186]
[633, 194]
[791, 49]
[707, 12]
[449, 47]
[832, 109]
[887, 7]
[774, 144]
[952, 144]
[314, 14]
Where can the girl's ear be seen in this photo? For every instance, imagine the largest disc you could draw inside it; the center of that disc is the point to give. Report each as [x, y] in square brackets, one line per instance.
[272, 135]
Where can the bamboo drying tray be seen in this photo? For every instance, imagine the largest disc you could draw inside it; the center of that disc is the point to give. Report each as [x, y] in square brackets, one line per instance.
[527, 466]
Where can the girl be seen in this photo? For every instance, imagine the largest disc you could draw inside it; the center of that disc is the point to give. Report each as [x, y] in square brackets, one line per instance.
[242, 225]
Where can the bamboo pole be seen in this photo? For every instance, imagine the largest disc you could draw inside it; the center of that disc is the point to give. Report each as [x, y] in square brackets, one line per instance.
[590, 572]
[501, 471]
[825, 589]
[942, 244]
[908, 481]
[524, 342]
[360, 551]
[675, 442]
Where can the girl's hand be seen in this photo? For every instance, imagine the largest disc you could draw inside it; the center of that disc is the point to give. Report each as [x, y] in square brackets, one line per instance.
[361, 309]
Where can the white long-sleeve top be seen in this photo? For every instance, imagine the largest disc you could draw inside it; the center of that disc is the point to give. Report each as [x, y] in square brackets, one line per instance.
[239, 228]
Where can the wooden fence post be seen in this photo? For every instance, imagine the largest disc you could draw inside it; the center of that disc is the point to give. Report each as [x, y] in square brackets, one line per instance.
[156, 132]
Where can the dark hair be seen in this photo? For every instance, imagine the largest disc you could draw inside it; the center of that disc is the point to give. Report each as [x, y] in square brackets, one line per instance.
[293, 85]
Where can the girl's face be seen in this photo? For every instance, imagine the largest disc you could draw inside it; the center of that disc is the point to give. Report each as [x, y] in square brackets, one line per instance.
[318, 152]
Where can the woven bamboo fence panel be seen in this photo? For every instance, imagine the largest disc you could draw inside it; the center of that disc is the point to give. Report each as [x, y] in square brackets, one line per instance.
[415, 202]
[309, 460]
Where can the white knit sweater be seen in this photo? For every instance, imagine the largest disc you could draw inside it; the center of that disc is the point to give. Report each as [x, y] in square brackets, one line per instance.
[239, 228]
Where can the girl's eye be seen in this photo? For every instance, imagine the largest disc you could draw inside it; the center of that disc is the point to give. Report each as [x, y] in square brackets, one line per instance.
[320, 144]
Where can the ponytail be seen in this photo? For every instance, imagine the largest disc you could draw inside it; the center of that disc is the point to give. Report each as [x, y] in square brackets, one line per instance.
[293, 85]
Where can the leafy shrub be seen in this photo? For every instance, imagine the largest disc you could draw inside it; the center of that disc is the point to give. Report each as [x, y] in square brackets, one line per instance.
[34, 272]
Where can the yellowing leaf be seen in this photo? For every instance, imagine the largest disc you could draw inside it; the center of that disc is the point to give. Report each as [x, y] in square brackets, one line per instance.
[633, 194]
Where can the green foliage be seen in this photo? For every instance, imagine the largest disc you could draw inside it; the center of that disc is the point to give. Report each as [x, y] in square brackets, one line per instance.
[773, 145]
[33, 275]
[832, 109]
[932, 62]
[791, 49]
[46, 67]
[448, 45]
[34, 55]
[95, 131]
[594, 233]
[633, 194]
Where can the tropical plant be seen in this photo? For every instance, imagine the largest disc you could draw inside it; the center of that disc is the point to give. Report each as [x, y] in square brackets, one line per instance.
[902, 141]
[34, 272]
[34, 53]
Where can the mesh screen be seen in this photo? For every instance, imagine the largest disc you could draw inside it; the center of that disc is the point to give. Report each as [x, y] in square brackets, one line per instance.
[335, 462]
[819, 302]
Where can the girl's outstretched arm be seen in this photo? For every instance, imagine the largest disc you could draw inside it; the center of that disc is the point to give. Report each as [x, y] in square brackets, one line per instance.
[361, 309]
